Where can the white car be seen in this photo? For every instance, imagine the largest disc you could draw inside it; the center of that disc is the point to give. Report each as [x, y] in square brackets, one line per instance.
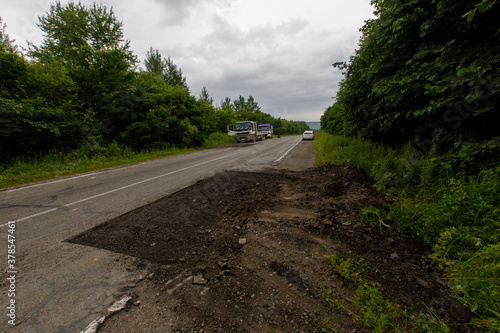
[308, 135]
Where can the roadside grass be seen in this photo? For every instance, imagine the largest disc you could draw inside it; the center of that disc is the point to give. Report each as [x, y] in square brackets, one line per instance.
[59, 163]
[370, 307]
[457, 214]
[218, 139]
[25, 170]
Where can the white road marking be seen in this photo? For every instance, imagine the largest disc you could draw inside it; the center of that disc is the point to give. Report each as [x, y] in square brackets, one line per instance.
[122, 188]
[51, 182]
[279, 160]
[127, 186]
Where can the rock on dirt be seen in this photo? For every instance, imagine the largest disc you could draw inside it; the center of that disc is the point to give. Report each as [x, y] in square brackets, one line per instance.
[248, 252]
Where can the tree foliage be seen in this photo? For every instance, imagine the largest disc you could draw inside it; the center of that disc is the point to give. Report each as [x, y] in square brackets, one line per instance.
[78, 35]
[154, 62]
[426, 71]
[80, 88]
[165, 68]
[240, 109]
[173, 75]
[205, 97]
[5, 40]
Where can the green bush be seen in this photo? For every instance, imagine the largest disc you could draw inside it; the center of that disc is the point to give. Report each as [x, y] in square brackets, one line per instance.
[218, 139]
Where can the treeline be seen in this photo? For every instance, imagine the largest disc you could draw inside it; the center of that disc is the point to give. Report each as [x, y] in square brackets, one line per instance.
[240, 109]
[82, 88]
[427, 72]
[418, 109]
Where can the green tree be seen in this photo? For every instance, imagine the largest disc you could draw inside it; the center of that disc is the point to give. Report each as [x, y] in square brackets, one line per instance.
[52, 82]
[13, 74]
[425, 71]
[154, 62]
[164, 114]
[76, 34]
[249, 105]
[226, 104]
[239, 104]
[5, 40]
[173, 75]
[36, 110]
[166, 68]
[205, 97]
[89, 40]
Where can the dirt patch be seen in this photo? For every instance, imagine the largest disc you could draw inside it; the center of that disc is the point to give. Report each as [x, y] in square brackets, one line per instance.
[248, 252]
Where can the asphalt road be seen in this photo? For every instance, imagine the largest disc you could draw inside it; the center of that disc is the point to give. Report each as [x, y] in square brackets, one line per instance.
[53, 286]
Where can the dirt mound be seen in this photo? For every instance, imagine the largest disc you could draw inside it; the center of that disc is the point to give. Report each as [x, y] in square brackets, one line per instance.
[249, 252]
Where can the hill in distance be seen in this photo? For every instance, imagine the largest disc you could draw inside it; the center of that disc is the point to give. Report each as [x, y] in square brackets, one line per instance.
[315, 125]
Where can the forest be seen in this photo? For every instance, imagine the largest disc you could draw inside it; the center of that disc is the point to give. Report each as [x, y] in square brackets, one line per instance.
[426, 72]
[418, 109]
[83, 88]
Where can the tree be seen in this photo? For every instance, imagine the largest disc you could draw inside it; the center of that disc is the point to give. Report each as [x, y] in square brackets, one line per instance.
[226, 104]
[425, 71]
[173, 75]
[205, 97]
[77, 34]
[36, 114]
[239, 104]
[166, 68]
[154, 62]
[249, 105]
[89, 41]
[5, 40]
[13, 74]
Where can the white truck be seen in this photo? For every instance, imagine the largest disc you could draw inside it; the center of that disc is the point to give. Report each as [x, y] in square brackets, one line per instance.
[247, 131]
[267, 129]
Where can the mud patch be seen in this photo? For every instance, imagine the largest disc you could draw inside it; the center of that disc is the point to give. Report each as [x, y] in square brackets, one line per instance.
[248, 252]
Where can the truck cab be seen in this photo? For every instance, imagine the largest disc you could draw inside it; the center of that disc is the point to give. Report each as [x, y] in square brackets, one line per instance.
[267, 129]
[246, 131]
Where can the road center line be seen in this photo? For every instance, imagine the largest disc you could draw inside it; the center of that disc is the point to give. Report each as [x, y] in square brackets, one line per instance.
[279, 160]
[122, 188]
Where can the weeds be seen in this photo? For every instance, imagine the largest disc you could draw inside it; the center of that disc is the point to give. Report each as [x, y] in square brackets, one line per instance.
[374, 216]
[88, 158]
[456, 213]
[325, 326]
[478, 278]
[333, 302]
[218, 139]
[371, 308]
[349, 270]
[376, 313]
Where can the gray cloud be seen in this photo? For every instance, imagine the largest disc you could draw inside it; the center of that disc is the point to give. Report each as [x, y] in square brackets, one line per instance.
[286, 68]
[280, 53]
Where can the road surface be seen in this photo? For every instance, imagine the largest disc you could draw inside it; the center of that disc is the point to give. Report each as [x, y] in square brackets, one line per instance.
[54, 286]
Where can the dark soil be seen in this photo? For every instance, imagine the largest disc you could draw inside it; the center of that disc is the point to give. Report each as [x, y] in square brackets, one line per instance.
[248, 252]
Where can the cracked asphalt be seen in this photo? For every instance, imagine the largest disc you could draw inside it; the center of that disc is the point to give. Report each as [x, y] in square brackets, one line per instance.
[63, 287]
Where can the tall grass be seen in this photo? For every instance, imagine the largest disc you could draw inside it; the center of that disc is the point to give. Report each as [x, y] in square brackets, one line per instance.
[457, 214]
[218, 139]
[24, 170]
[59, 163]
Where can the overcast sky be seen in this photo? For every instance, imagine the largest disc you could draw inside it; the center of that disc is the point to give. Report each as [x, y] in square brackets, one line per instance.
[280, 52]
